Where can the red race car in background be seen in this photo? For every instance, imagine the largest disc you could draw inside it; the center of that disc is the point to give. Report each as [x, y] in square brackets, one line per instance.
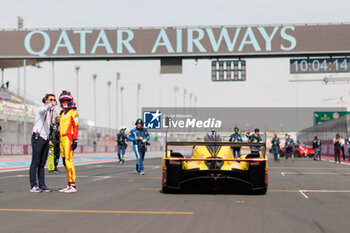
[300, 150]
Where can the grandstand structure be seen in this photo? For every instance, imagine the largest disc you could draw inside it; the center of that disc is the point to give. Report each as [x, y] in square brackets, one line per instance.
[17, 119]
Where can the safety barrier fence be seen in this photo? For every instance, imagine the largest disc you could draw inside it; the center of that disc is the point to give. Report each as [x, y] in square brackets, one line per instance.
[18, 149]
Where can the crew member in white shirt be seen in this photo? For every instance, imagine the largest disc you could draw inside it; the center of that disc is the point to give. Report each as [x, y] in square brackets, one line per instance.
[40, 144]
[342, 144]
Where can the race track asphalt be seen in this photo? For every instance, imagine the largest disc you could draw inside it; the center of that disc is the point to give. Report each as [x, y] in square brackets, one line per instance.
[305, 196]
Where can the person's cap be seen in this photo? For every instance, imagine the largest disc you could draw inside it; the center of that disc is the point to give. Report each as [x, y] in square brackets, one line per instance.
[236, 128]
[139, 121]
[257, 130]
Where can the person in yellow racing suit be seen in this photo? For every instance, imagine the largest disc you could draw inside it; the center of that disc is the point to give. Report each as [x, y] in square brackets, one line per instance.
[69, 138]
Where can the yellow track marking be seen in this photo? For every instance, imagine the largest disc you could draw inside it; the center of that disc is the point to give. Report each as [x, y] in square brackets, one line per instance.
[149, 189]
[97, 211]
[283, 191]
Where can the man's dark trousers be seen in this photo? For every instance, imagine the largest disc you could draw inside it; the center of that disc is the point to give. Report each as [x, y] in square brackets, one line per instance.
[40, 148]
[337, 155]
[56, 152]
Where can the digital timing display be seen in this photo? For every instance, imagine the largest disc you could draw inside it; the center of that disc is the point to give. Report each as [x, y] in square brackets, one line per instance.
[321, 65]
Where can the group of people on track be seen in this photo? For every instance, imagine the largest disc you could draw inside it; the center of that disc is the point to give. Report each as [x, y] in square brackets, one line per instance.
[236, 137]
[61, 137]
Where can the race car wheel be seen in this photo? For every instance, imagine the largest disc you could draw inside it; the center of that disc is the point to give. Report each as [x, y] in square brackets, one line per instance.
[172, 176]
[282, 153]
[297, 154]
[169, 190]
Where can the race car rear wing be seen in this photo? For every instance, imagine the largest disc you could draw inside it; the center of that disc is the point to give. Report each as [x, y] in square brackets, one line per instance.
[213, 143]
[216, 144]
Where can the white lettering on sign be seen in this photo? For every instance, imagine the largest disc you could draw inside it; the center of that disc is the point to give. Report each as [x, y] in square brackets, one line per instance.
[193, 123]
[82, 34]
[268, 38]
[179, 40]
[102, 41]
[191, 40]
[63, 41]
[223, 35]
[125, 42]
[46, 46]
[163, 40]
[290, 38]
[249, 39]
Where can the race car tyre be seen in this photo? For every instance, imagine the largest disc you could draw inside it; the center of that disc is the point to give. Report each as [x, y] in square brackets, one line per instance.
[172, 176]
[297, 154]
[169, 190]
[282, 153]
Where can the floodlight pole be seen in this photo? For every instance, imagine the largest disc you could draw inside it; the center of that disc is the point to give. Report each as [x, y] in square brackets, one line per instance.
[19, 26]
[109, 104]
[138, 100]
[116, 101]
[2, 77]
[77, 77]
[176, 89]
[121, 99]
[190, 99]
[53, 77]
[94, 76]
[185, 97]
[24, 101]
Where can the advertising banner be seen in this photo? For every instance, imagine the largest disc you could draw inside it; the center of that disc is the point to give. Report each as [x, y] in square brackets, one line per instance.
[204, 41]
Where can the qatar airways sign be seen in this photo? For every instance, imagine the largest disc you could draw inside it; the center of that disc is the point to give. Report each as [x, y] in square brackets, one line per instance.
[176, 41]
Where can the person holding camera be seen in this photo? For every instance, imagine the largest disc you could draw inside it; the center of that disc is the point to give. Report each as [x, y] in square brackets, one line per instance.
[121, 141]
[289, 144]
[68, 138]
[236, 137]
[255, 138]
[40, 144]
[275, 142]
[140, 137]
[342, 147]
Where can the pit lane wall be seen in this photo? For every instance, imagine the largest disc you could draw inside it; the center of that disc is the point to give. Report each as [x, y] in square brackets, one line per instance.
[326, 131]
[17, 149]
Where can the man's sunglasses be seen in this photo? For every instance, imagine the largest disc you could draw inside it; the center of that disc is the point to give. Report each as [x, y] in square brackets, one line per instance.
[52, 100]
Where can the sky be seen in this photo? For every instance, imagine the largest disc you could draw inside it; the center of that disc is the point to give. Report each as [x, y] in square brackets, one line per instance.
[267, 79]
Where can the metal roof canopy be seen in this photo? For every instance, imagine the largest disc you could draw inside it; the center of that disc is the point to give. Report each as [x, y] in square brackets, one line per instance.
[12, 63]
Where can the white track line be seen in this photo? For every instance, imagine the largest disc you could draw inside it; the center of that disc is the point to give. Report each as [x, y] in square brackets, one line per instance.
[79, 164]
[308, 168]
[102, 178]
[313, 173]
[332, 161]
[322, 191]
[302, 192]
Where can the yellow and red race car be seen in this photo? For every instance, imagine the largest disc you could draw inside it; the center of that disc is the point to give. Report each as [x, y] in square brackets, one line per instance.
[209, 166]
